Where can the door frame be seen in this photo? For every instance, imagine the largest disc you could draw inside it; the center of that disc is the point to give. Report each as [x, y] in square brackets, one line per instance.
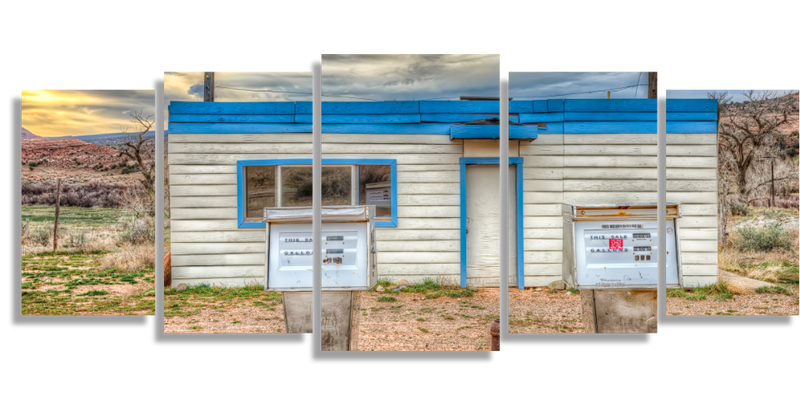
[512, 161]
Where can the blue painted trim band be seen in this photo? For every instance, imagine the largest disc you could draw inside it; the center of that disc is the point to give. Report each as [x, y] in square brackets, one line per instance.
[240, 183]
[606, 105]
[458, 118]
[231, 118]
[264, 108]
[691, 127]
[240, 195]
[520, 106]
[434, 129]
[691, 105]
[541, 117]
[610, 127]
[555, 105]
[637, 116]
[361, 107]
[362, 119]
[540, 106]
[459, 106]
[463, 217]
[234, 128]
[552, 128]
[520, 226]
[493, 132]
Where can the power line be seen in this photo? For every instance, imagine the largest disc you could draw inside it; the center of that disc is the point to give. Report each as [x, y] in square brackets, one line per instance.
[614, 90]
[637, 84]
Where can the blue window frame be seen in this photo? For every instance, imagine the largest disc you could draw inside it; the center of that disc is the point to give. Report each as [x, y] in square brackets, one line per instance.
[512, 161]
[240, 183]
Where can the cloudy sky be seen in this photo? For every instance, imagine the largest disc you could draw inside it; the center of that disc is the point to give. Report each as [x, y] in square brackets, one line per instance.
[238, 86]
[82, 112]
[409, 77]
[533, 84]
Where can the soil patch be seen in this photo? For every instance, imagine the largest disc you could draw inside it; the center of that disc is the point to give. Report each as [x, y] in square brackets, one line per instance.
[232, 319]
[756, 304]
[416, 323]
[542, 310]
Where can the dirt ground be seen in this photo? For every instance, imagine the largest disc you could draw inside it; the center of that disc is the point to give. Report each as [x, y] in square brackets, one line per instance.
[70, 283]
[542, 310]
[756, 304]
[204, 309]
[416, 323]
[244, 319]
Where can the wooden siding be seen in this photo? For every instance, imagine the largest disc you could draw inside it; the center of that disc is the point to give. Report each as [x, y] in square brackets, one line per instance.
[572, 161]
[543, 192]
[426, 242]
[695, 187]
[207, 245]
[578, 168]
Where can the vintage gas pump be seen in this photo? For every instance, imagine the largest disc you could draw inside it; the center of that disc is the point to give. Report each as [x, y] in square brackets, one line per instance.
[611, 255]
[348, 265]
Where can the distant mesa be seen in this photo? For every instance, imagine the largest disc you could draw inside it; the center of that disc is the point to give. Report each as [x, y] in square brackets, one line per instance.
[68, 154]
[28, 134]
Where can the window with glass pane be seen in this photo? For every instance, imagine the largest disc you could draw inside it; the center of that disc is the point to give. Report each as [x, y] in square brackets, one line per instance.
[337, 185]
[260, 191]
[375, 188]
[296, 186]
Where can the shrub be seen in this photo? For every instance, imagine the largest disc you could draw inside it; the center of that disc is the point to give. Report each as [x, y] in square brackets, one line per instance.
[96, 193]
[26, 229]
[765, 239]
[42, 236]
[76, 238]
[130, 169]
[138, 231]
[130, 258]
[739, 208]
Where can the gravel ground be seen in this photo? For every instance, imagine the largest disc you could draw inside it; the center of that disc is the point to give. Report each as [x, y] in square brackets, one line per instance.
[542, 310]
[240, 316]
[415, 323]
[756, 304]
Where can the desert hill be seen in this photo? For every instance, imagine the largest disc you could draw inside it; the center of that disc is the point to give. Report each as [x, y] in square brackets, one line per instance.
[28, 134]
[69, 154]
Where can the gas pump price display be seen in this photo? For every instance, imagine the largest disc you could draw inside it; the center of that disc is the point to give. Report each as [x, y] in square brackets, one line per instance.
[339, 251]
[616, 254]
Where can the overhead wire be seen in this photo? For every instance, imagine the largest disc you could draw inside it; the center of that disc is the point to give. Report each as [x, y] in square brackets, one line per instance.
[637, 85]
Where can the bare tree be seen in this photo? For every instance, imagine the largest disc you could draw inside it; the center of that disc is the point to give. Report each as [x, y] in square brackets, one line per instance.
[747, 132]
[141, 149]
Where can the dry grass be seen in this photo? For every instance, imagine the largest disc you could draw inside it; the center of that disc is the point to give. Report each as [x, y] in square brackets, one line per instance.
[95, 244]
[130, 258]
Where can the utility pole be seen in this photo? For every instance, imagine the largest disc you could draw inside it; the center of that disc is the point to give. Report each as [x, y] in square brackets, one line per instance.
[58, 206]
[208, 86]
[652, 85]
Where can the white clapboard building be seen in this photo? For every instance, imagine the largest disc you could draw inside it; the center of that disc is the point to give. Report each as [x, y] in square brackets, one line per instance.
[431, 170]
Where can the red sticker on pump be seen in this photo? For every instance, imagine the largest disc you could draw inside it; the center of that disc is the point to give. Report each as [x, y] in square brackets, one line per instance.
[615, 243]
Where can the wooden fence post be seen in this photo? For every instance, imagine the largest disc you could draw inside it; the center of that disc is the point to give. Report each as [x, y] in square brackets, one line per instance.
[58, 206]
